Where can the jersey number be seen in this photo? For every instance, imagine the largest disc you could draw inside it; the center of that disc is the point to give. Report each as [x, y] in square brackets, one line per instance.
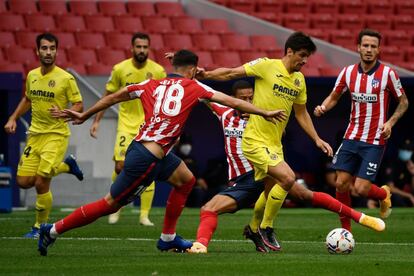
[122, 142]
[27, 150]
[171, 103]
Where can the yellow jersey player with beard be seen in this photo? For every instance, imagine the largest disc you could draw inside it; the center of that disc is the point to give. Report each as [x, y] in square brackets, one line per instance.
[131, 114]
[278, 85]
[49, 89]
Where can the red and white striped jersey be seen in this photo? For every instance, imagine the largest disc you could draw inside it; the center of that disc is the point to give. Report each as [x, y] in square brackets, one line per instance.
[370, 95]
[167, 104]
[233, 127]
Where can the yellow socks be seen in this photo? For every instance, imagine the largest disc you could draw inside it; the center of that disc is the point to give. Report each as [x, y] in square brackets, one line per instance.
[273, 204]
[62, 168]
[259, 208]
[146, 200]
[43, 208]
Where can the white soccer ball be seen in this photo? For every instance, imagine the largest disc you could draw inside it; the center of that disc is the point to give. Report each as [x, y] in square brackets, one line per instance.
[340, 241]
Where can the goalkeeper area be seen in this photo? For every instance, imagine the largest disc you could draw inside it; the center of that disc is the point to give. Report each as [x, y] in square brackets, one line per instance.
[127, 248]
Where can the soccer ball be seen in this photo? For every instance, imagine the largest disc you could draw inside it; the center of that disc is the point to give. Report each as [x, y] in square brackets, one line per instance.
[340, 241]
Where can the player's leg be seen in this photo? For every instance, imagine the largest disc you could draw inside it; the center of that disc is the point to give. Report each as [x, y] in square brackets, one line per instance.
[146, 202]
[114, 217]
[69, 165]
[344, 180]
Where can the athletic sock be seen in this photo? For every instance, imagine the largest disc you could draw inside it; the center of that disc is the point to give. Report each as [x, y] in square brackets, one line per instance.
[328, 202]
[175, 205]
[273, 204]
[208, 224]
[258, 211]
[345, 198]
[43, 207]
[146, 200]
[62, 168]
[376, 193]
[84, 215]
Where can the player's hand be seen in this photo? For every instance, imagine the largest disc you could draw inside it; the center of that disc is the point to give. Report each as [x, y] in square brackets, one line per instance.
[55, 112]
[93, 131]
[76, 118]
[245, 116]
[386, 130]
[319, 110]
[325, 147]
[10, 126]
[169, 56]
[275, 116]
[201, 73]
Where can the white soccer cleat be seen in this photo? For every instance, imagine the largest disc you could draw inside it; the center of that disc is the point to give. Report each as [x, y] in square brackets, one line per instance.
[197, 248]
[113, 218]
[145, 221]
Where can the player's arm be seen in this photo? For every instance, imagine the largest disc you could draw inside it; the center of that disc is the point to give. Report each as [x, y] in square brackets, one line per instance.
[23, 106]
[327, 104]
[398, 113]
[93, 131]
[222, 74]
[305, 121]
[273, 116]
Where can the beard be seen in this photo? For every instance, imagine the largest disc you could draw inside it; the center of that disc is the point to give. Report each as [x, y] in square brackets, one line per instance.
[140, 58]
[48, 61]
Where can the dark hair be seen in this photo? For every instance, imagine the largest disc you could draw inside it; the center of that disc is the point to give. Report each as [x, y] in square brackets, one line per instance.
[140, 36]
[184, 58]
[49, 37]
[240, 84]
[369, 32]
[298, 41]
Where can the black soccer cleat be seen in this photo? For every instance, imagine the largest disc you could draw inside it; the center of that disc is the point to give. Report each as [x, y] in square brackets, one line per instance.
[268, 237]
[255, 238]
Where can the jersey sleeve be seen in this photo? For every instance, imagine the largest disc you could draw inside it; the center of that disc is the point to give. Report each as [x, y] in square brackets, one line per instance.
[302, 97]
[256, 68]
[27, 87]
[136, 90]
[113, 83]
[206, 92]
[340, 84]
[394, 84]
[160, 73]
[72, 91]
[217, 109]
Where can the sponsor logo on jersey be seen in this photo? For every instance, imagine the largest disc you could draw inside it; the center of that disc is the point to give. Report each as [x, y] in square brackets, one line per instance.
[253, 62]
[233, 132]
[41, 93]
[280, 89]
[51, 83]
[364, 98]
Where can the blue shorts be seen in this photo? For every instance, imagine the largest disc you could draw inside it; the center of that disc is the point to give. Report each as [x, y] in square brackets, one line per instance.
[245, 190]
[359, 159]
[141, 167]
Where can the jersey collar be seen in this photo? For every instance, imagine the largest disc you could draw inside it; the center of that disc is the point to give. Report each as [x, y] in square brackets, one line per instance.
[173, 75]
[373, 69]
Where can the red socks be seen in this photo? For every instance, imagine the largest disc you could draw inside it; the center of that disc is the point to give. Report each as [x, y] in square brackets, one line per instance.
[376, 192]
[84, 215]
[344, 198]
[208, 224]
[175, 205]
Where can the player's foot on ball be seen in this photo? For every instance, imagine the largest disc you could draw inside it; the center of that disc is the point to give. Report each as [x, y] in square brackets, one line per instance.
[178, 244]
[255, 238]
[73, 167]
[372, 222]
[385, 205]
[197, 248]
[145, 221]
[269, 238]
[45, 240]
[33, 233]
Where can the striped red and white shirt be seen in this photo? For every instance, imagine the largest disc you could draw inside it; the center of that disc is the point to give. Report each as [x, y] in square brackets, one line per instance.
[370, 95]
[233, 127]
[167, 104]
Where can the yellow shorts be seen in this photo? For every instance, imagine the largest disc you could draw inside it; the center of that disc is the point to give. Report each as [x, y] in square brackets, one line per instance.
[42, 154]
[123, 139]
[262, 157]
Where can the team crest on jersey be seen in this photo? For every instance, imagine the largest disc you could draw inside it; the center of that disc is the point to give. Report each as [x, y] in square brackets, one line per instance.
[297, 82]
[51, 83]
[149, 75]
[375, 83]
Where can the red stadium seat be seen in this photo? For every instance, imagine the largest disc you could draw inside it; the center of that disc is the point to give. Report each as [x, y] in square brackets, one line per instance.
[295, 21]
[391, 54]
[70, 23]
[353, 7]
[325, 6]
[342, 37]
[169, 9]
[317, 60]
[52, 7]
[186, 25]
[409, 54]
[245, 6]
[141, 8]
[159, 56]
[112, 8]
[407, 65]
[12, 67]
[215, 26]
[97, 23]
[398, 38]
[109, 56]
[26, 39]
[7, 39]
[12, 22]
[89, 40]
[3, 8]
[78, 68]
[118, 41]
[273, 6]
[21, 55]
[383, 7]
[226, 59]
[404, 7]
[297, 6]
[275, 54]
[378, 22]
[317, 33]
[128, 24]
[99, 69]
[83, 7]
[220, 2]
[353, 22]
[40, 23]
[157, 42]
[66, 40]
[252, 55]
[23, 6]
[264, 43]
[235, 42]
[205, 59]
[329, 71]
[310, 71]
[268, 16]
[62, 58]
[402, 22]
[323, 21]
[208, 42]
[157, 25]
[177, 41]
[82, 56]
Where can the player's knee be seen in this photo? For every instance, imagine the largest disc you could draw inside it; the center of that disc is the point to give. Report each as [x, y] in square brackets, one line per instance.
[341, 186]
[288, 181]
[208, 208]
[25, 182]
[362, 190]
[118, 168]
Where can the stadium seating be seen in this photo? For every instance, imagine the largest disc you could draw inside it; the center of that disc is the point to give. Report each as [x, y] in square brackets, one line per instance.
[245, 6]
[169, 9]
[187, 25]
[127, 24]
[323, 21]
[215, 26]
[26, 39]
[98, 69]
[21, 55]
[110, 56]
[325, 7]
[177, 41]
[7, 39]
[264, 43]
[353, 7]
[89, 40]
[3, 7]
[70, 23]
[397, 38]
[52, 7]
[297, 6]
[404, 7]
[80, 56]
[391, 54]
[12, 67]
[273, 6]
[252, 55]
[383, 7]
[23, 6]
[12, 22]
[226, 59]
[295, 21]
[207, 42]
[112, 8]
[141, 8]
[156, 24]
[40, 23]
[98, 23]
[205, 59]
[118, 41]
[83, 7]
[235, 42]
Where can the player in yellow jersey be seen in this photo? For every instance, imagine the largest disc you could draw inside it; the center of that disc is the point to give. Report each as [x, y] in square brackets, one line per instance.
[48, 88]
[131, 115]
[278, 85]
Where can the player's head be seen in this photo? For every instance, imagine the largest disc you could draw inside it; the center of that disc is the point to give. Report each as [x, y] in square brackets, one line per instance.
[46, 48]
[243, 90]
[185, 62]
[140, 43]
[369, 45]
[298, 47]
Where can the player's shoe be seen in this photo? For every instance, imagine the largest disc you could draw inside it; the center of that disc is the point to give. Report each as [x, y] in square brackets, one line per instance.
[255, 238]
[197, 248]
[33, 233]
[269, 238]
[372, 222]
[385, 205]
[73, 167]
[178, 244]
[44, 239]
[145, 221]
[114, 217]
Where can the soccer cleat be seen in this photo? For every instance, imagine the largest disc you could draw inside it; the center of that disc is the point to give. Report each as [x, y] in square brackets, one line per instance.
[44, 239]
[145, 221]
[178, 244]
[255, 238]
[73, 167]
[385, 205]
[33, 233]
[114, 217]
[269, 238]
[197, 248]
[372, 222]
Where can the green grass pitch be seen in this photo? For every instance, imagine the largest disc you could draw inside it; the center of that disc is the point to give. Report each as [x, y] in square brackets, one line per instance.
[129, 249]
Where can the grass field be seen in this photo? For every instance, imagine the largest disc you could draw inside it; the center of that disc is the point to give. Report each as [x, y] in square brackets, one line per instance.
[129, 249]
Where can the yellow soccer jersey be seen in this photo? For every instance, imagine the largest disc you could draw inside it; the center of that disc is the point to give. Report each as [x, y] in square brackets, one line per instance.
[58, 88]
[274, 89]
[131, 113]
